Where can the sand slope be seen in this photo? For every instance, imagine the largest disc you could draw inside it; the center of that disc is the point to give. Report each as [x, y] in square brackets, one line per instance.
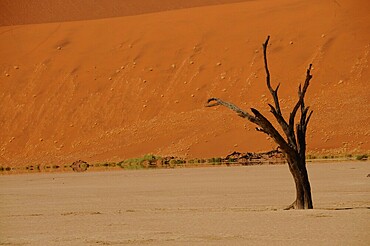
[16, 12]
[108, 89]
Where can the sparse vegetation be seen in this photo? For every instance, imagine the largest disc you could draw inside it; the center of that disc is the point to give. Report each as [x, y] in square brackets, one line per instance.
[152, 161]
[196, 161]
[362, 157]
[339, 157]
[132, 166]
[310, 157]
[215, 161]
[139, 163]
[174, 162]
[147, 157]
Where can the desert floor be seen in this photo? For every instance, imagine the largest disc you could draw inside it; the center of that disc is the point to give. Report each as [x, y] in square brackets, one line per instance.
[192, 206]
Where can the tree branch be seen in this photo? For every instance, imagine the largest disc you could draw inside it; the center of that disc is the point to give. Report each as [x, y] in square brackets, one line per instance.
[276, 111]
[264, 125]
[231, 106]
[284, 125]
[301, 94]
[308, 119]
[268, 78]
[302, 127]
[268, 128]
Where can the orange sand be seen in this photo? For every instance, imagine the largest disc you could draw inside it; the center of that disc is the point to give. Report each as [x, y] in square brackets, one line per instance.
[112, 88]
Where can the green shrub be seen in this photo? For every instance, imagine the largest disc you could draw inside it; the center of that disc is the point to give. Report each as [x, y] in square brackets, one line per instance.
[132, 166]
[137, 163]
[215, 161]
[362, 157]
[149, 157]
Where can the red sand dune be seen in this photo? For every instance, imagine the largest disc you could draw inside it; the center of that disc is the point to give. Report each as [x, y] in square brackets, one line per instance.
[15, 12]
[113, 88]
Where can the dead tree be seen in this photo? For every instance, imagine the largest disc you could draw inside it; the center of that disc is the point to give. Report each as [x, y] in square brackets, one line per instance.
[293, 145]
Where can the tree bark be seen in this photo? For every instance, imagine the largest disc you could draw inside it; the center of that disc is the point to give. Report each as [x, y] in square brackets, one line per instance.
[299, 172]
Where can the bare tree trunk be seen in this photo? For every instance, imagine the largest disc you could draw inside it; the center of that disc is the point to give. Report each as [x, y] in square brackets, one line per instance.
[294, 144]
[302, 184]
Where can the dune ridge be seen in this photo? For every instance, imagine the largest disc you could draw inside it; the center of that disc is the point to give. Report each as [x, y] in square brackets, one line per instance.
[21, 12]
[110, 89]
